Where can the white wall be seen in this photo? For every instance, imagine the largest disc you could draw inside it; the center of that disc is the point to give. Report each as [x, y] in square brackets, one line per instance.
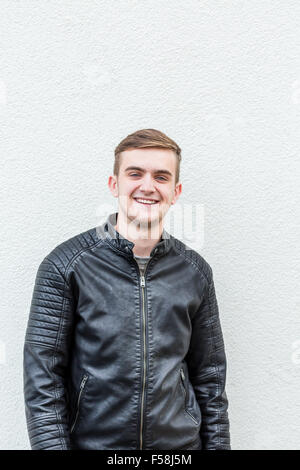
[222, 78]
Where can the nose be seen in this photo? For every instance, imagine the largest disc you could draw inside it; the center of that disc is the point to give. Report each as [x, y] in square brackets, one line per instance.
[147, 184]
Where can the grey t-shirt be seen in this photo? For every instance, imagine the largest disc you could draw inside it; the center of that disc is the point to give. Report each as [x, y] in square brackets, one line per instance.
[142, 262]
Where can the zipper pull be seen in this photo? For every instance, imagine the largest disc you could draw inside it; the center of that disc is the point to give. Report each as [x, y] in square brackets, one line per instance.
[142, 281]
[182, 374]
[83, 382]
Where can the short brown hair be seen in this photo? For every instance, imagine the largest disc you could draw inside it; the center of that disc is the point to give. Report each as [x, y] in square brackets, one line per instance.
[147, 138]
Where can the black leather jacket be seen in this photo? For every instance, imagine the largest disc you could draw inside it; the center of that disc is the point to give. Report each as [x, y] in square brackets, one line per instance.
[116, 360]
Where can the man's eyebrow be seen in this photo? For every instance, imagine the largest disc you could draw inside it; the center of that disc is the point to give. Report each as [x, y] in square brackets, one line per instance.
[166, 172]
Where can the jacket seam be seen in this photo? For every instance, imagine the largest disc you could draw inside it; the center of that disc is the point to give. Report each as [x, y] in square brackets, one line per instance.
[195, 265]
[117, 250]
[215, 364]
[37, 343]
[32, 421]
[55, 349]
[81, 252]
[69, 264]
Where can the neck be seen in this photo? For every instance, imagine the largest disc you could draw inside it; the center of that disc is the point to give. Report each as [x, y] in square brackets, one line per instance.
[144, 237]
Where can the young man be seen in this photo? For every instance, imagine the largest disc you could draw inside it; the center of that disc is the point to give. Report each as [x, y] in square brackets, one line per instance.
[124, 348]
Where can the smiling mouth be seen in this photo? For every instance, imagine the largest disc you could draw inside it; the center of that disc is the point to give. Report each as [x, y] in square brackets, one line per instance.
[146, 202]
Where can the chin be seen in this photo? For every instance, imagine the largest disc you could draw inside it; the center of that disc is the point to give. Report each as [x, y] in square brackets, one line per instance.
[140, 217]
[147, 218]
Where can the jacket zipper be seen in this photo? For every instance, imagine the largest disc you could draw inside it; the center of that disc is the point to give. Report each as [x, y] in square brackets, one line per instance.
[186, 395]
[183, 383]
[143, 286]
[82, 385]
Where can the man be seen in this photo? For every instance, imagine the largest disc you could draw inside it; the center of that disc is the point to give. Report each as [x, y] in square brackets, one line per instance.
[124, 348]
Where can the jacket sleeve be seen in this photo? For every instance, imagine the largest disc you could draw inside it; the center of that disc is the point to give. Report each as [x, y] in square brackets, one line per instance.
[206, 362]
[45, 359]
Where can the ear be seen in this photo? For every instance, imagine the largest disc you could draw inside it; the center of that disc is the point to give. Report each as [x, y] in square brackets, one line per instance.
[113, 185]
[177, 192]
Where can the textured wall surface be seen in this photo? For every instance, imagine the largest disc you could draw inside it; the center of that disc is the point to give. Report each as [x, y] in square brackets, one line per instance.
[222, 78]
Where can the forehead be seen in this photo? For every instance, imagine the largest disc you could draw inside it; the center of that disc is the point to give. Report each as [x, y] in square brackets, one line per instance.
[149, 159]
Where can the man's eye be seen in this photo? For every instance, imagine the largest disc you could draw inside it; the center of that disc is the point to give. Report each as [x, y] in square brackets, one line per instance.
[136, 174]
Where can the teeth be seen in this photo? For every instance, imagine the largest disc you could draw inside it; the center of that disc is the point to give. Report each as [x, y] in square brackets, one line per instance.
[145, 201]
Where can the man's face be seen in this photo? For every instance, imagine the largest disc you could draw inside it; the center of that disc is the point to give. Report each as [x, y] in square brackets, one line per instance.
[145, 185]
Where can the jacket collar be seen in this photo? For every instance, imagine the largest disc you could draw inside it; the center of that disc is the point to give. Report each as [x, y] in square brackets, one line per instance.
[107, 232]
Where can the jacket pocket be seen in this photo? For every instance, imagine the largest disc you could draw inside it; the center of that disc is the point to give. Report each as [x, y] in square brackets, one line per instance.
[186, 395]
[81, 389]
